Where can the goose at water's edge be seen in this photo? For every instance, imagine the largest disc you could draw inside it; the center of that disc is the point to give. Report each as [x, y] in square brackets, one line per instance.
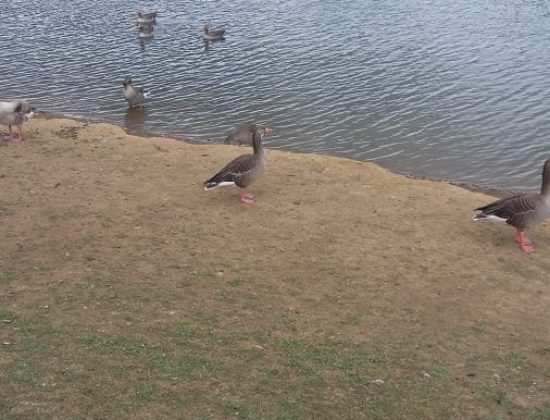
[522, 211]
[15, 113]
[244, 133]
[133, 94]
[243, 170]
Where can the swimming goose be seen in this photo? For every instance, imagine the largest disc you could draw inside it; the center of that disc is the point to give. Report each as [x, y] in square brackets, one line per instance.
[213, 34]
[15, 113]
[145, 31]
[146, 17]
[146, 26]
[522, 211]
[243, 170]
[133, 94]
[244, 133]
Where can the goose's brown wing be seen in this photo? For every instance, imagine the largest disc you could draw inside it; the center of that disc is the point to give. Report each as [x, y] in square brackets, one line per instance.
[240, 170]
[518, 210]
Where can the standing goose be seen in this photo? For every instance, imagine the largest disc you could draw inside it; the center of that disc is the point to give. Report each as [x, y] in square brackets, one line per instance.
[522, 211]
[15, 113]
[244, 133]
[243, 170]
[133, 94]
[212, 34]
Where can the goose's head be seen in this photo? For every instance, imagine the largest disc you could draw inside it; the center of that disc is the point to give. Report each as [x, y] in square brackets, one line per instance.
[263, 129]
[267, 129]
[127, 82]
[23, 107]
[29, 114]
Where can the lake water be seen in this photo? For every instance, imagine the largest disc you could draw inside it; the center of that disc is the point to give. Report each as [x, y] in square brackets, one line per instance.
[456, 90]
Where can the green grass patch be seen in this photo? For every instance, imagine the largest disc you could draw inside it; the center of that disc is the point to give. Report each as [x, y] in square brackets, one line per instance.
[118, 352]
[7, 276]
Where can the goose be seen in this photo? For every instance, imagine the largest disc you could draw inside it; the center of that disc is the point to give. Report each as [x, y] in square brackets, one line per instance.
[145, 31]
[522, 211]
[146, 26]
[213, 34]
[244, 133]
[15, 113]
[133, 94]
[147, 17]
[243, 170]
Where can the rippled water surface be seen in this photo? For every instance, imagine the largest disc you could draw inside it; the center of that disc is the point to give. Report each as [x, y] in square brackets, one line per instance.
[447, 89]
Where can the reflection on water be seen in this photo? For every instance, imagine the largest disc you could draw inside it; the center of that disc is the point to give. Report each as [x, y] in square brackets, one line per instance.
[143, 42]
[135, 118]
[454, 90]
[208, 43]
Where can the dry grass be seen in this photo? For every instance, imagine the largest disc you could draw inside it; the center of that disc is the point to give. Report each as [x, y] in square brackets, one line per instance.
[345, 292]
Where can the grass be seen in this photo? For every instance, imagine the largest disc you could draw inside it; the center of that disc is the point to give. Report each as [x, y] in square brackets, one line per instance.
[207, 370]
[7, 276]
[128, 293]
[113, 356]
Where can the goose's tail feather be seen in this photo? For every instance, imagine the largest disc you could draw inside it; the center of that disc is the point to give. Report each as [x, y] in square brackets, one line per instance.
[221, 179]
[213, 184]
[480, 215]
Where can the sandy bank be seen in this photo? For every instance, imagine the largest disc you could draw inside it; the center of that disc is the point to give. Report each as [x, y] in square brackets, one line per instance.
[327, 237]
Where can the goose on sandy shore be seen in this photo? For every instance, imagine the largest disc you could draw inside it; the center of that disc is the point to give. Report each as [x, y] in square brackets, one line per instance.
[213, 34]
[147, 17]
[133, 94]
[243, 170]
[244, 133]
[15, 113]
[522, 211]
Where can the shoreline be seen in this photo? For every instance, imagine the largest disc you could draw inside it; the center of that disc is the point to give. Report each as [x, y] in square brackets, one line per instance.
[491, 191]
[118, 269]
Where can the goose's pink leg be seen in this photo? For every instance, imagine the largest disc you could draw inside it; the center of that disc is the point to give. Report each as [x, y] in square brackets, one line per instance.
[524, 243]
[20, 133]
[8, 136]
[246, 197]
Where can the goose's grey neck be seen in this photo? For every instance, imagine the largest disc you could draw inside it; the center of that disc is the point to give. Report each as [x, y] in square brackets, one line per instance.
[257, 142]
